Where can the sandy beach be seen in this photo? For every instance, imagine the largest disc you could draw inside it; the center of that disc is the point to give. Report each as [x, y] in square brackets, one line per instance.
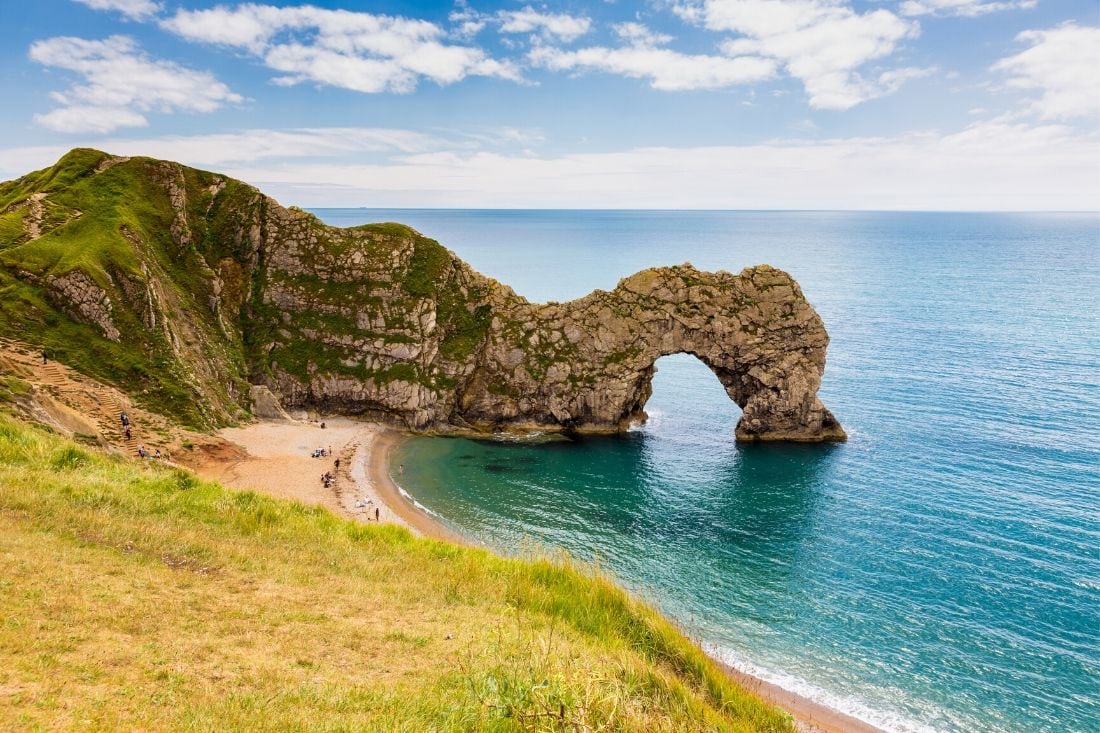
[275, 458]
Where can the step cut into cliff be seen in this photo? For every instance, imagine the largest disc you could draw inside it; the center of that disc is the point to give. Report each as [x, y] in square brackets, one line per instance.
[185, 288]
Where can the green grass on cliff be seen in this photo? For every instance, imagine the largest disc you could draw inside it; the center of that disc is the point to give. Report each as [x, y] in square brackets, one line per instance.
[105, 225]
[135, 597]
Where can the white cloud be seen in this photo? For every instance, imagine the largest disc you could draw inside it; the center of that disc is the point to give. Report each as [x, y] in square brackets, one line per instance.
[218, 150]
[132, 9]
[121, 84]
[1063, 65]
[557, 25]
[468, 21]
[987, 166]
[820, 42]
[962, 8]
[991, 165]
[359, 51]
[640, 35]
[665, 69]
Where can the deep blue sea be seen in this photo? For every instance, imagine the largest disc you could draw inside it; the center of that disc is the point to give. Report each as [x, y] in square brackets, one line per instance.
[940, 571]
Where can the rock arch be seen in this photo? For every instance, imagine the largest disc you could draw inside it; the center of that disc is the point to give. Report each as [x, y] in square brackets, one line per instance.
[587, 365]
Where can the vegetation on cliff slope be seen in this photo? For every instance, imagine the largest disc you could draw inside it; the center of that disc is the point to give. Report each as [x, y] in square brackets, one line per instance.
[134, 596]
[85, 219]
[182, 260]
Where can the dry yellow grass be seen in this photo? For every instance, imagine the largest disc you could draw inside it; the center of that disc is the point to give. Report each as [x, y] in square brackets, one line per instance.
[136, 597]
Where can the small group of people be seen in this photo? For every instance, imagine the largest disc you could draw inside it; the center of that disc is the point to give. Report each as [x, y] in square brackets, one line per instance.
[328, 479]
[128, 433]
[321, 453]
[143, 452]
[365, 503]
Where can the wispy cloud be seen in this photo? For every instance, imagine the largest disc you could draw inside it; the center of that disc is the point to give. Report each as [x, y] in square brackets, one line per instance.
[219, 150]
[989, 165]
[666, 70]
[359, 51]
[1062, 65]
[559, 26]
[962, 8]
[132, 9]
[122, 84]
[537, 24]
[640, 35]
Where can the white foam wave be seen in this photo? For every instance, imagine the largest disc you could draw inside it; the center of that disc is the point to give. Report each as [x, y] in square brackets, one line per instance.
[888, 721]
[416, 503]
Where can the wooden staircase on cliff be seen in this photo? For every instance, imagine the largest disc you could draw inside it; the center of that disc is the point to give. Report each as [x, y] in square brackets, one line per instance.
[97, 403]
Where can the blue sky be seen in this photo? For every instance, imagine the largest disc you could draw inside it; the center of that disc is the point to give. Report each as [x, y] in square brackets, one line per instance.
[910, 104]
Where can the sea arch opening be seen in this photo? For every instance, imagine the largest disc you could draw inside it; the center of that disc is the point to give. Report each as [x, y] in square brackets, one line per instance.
[686, 397]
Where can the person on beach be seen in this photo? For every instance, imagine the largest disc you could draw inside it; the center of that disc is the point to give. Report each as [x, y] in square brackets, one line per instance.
[376, 514]
[322, 425]
[337, 464]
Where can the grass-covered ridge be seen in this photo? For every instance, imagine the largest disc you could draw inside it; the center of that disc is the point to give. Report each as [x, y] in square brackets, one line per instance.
[194, 270]
[138, 597]
[111, 220]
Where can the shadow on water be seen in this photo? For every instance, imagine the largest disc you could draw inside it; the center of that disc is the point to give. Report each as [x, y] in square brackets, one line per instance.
[770, 492]
[753, 531]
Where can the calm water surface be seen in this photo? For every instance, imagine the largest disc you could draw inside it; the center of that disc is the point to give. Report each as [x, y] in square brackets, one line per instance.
[941, 570]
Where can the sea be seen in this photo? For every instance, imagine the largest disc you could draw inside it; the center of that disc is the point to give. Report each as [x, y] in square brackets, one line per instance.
[940, 571]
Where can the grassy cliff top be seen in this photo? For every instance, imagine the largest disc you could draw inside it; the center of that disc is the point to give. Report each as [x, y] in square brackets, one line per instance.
[138, 597]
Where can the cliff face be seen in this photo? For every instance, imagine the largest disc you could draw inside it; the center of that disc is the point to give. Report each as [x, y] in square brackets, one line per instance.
[208, 285]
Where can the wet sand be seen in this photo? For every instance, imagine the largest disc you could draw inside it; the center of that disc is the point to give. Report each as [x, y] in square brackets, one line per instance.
[277, 462]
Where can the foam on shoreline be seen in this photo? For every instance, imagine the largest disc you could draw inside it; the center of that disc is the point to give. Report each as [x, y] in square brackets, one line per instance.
[863, 715]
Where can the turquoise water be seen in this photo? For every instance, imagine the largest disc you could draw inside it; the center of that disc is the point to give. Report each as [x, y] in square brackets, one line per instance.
[941, 570]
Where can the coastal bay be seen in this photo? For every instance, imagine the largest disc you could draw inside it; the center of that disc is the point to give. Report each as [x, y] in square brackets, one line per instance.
[275, 460]
[884, 577]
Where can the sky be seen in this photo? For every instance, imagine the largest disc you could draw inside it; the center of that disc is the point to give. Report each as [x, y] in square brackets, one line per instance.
[710, 104]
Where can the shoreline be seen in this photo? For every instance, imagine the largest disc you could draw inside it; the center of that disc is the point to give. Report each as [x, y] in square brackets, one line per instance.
[273, 457]
[810, 716]
[389, 493]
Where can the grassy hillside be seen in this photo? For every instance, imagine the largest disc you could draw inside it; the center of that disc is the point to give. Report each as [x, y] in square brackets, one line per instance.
[113, 224]
[138, 597]
[183, 286]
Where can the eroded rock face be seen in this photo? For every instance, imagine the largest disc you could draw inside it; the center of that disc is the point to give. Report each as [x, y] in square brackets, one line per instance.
[386, 323]
[80, 296]
[216, 287]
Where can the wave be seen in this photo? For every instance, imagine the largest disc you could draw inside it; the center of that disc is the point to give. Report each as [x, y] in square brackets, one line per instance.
[417, 504]
[887, 721]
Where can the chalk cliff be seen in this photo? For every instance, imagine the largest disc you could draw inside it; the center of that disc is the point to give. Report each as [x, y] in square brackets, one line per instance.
[189, 287]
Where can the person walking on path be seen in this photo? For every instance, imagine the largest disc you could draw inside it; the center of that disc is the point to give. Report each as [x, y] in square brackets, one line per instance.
[45, 360]
[376, 514]
[124, 419]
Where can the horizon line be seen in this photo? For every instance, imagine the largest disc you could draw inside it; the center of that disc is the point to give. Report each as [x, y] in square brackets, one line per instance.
[700, 210]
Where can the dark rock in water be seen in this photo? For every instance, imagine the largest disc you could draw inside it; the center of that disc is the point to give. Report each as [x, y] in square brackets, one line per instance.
[226, 287]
